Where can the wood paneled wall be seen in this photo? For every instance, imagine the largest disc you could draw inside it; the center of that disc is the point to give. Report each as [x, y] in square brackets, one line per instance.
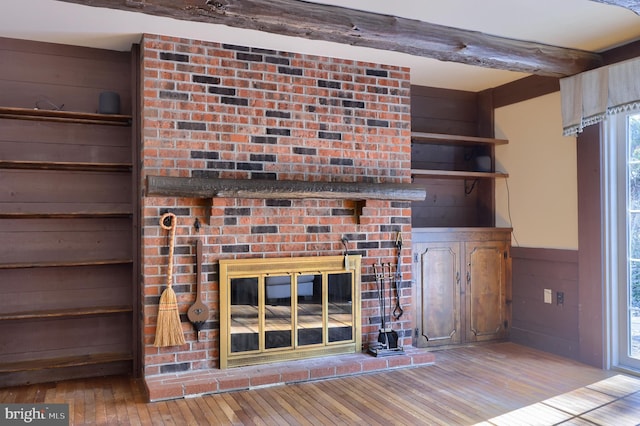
[549, 327]
[453, 112]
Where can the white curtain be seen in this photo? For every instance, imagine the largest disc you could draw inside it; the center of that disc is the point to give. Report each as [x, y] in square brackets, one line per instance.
[587, 98]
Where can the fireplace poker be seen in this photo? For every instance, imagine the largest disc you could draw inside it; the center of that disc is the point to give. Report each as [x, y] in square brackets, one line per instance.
[398, 311]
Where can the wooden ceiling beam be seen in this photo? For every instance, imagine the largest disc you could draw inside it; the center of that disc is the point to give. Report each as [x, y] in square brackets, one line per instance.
[365, 29]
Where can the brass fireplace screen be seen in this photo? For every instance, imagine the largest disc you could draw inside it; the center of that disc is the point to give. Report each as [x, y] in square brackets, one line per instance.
[288, 308]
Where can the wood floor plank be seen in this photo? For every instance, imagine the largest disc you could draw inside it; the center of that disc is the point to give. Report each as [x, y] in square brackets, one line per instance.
[335, 405]
[89, 403]
[399, 404]
[139, 397]
[243, 414]
[100, 413]
[276, 399]
[221, 417]
[353, 400]
[300, 406]
[120, 394]
[196, 412]
[156, 415]
[167, 417]
[253, 399]
[486, 384]
[225, 415]
[278, 412]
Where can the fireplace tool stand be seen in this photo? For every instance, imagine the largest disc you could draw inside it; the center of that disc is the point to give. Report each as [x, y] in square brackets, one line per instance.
[387, 343]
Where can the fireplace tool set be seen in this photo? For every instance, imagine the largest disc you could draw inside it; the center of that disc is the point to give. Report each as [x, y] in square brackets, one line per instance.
[387, 343]
[169, 330]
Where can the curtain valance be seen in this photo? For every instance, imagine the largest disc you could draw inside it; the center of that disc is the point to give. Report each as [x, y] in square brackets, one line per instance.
[588, 97]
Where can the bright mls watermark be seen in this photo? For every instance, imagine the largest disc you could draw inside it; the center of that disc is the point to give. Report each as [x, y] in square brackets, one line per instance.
[34, 414]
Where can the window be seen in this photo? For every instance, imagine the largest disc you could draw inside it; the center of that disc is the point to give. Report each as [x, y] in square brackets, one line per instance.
[622, 237]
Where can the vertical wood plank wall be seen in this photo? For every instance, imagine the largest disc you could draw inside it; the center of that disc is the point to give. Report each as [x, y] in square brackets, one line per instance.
[452, 112]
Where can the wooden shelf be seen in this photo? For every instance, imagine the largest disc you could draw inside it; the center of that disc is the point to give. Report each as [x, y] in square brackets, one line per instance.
[65, 264]
[65, 313]
[65, 116]
[71, 166]
[453, 174]
[73, 361]
[64, 215]
[438, 138]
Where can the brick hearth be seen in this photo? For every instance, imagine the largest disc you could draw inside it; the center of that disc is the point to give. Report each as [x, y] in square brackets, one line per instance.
[202, 382]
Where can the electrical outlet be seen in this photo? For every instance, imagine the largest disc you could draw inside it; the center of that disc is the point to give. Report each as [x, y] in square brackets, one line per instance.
[548, 296]
[560, 298]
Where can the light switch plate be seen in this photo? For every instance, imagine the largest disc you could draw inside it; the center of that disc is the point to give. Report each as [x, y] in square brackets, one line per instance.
[548, 295]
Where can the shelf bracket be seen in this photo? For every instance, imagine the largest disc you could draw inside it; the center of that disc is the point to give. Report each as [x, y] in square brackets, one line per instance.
[469, 189]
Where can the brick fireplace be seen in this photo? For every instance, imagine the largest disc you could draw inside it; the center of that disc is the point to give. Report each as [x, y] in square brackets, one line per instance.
[213, 111]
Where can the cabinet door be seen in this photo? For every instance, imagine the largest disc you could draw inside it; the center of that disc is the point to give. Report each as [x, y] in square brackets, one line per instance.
[485, 316]
[437, 272]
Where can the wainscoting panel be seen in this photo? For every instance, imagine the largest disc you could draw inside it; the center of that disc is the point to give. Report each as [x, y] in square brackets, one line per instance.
[552, 327]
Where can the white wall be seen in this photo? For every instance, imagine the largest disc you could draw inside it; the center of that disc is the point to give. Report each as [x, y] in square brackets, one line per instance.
[542, 185]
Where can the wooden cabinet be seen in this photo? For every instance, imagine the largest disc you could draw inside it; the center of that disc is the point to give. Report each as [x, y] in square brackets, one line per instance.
[462, 281]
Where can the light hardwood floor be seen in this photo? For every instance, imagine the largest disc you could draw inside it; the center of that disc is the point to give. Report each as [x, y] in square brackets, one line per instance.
[494, 384]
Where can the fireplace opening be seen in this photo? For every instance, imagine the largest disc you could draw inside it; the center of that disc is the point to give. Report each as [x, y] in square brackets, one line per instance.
[288, 308]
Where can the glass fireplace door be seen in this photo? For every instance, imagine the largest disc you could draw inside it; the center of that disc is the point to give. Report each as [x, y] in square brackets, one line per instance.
[340, 307]
[244, 311]
[310, 315]
[278, 325]
[281, 309]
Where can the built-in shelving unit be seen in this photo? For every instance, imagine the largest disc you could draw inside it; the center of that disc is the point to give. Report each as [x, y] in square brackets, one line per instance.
[69, 222]
[458, 173]
[465, 142]
[461, 261]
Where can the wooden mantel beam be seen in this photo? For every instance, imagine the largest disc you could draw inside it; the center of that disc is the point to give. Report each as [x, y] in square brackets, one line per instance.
[365, 29]
[269, 189]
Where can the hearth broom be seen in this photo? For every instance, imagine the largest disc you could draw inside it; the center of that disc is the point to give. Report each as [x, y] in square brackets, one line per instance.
[169, 329]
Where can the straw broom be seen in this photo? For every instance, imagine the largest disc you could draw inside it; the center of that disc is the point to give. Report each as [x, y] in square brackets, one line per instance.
[169, 329]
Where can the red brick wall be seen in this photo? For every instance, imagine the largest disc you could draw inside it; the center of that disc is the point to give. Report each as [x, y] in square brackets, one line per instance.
[223, 111]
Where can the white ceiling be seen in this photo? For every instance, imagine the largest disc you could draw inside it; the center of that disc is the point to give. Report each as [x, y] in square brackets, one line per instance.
[579, 24]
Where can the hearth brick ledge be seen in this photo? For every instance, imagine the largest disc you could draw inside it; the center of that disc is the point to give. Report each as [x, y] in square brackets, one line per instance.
[202, 382]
